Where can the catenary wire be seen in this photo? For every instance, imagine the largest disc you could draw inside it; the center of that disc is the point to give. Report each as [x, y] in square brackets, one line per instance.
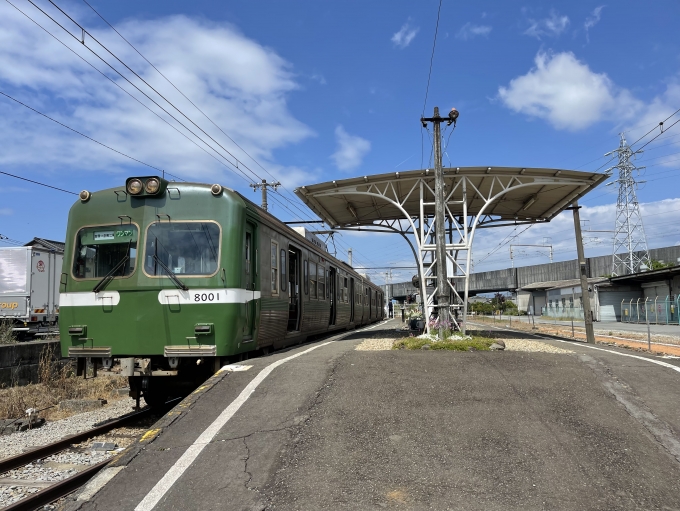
[188, 99]
[81, 134]
[141, 91]
[434, 45]
[131, 96]
[149, 85]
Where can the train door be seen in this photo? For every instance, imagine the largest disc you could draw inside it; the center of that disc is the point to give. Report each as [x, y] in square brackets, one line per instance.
[366, 314]
[332, 284]
[352, 299]
[249, 273]
[294, 258]
[370, 304]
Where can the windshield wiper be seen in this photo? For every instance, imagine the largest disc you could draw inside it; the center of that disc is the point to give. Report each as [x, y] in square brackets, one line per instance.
[109, 276]
[171, 274]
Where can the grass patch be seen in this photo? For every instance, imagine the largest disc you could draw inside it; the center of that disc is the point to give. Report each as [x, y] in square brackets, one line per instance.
[57, 382]
[7, 335]
[416, 343]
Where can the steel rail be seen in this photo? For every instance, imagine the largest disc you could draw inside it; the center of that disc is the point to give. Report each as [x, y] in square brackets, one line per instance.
[62, 488]
[57, 490]
[41, 452]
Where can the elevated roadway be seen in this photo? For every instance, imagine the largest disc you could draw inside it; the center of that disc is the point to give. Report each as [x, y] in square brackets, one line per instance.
[511, 279]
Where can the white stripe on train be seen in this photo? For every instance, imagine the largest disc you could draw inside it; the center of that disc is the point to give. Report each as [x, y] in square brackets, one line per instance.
[165, 297]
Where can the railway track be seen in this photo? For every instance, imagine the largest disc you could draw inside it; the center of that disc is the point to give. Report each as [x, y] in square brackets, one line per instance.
[54, 491]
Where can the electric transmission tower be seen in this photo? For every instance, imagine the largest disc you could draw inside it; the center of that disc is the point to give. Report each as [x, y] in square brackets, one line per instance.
[630, 244]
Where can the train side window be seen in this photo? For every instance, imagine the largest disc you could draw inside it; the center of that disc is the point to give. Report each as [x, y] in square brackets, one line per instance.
[345, 291]
[321, 282]
[312, 280]
[283, 270]
[305, 275]
[328, 279]
[248, 251]
[275, 268]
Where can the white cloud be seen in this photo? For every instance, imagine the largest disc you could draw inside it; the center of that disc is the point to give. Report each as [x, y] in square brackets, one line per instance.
[565, 92]
[593, 20]
[470, 30]
[318, 78]
[6, 212]
[405, 35]
[551, 26]
[242, 85]
[350, 150]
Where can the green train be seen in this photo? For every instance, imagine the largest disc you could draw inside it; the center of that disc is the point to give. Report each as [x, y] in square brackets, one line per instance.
[175, 279]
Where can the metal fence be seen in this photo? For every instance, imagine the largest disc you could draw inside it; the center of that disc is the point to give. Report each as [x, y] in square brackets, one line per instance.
[657, 310]
[566, 312]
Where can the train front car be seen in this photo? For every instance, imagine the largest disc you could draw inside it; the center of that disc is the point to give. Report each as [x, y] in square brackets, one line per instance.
[152, 277]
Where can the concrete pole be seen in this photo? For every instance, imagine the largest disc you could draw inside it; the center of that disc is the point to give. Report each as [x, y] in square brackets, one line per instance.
[264, 186]
[581, 259]
[440, 221]
[349, 256]
[264, 194]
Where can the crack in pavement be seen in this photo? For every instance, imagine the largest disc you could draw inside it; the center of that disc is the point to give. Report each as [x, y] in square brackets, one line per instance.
[245, 465]
[635, 406]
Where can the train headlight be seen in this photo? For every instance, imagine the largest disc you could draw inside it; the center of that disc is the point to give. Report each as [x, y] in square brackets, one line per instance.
[152, 185]
[216, 190]
[134, 186]
[84, 196]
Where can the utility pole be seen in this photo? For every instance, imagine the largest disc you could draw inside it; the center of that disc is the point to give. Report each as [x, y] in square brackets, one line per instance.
[585, 295]
[440, 206]
[629, 235]
[264, 186]
[349, 256]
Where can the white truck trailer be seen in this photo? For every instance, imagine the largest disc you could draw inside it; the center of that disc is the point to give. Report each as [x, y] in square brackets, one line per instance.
[29, 288]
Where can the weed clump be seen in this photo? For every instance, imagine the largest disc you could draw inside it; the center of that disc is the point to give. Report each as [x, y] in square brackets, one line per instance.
[7, 335]
[451, 344]
[56, 382]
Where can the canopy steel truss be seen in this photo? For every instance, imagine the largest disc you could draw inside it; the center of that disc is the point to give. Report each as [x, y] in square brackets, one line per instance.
[475, 198]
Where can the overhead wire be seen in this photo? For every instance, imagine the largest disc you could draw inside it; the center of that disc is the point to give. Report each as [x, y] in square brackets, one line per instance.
[133, 85]
[79, 133]
[147, 84]
[126, 92]
[189, 100]
[434, 45]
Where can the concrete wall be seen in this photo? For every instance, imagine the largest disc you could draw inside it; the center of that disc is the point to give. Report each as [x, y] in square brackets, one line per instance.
[19, 362]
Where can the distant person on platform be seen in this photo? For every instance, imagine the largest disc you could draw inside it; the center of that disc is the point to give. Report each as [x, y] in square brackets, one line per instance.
[390, 309]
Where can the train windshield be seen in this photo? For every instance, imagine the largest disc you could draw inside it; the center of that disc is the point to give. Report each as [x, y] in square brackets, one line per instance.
[186, 248]
[100, 249]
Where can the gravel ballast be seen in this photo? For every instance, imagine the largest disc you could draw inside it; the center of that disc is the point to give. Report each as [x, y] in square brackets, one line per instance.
[52, 431]
[31, 478]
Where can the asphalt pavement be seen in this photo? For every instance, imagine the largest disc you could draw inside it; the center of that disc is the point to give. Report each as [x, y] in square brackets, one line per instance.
[335, 428]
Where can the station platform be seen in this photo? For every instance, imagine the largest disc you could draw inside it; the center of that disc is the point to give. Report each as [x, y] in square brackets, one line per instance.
[324, 426]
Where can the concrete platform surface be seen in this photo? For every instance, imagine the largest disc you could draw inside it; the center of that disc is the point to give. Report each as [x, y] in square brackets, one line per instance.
[337, 428]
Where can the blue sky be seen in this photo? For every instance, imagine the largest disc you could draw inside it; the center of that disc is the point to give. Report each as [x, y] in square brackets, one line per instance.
[320, 90]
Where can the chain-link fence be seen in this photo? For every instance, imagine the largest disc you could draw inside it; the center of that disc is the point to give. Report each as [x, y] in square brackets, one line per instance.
[658, 310]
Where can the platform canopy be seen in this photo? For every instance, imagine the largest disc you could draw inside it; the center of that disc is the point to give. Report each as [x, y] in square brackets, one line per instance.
[501, 194]
[475, 197]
